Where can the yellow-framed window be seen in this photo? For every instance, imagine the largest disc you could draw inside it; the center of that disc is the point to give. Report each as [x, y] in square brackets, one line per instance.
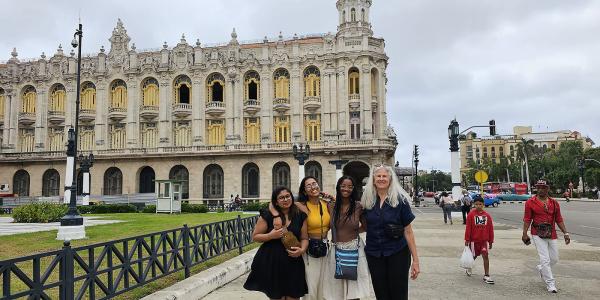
[88, 96]
[118, 98]
[29, 99]
[117, 136]
[148, 135]
[150, 92]
[354, 82]
[56, 139]
[57, 99]
[215, 132]
[282, 129]
[252, 130]
[312, 127]
[26, 139]
[182, 134]
[87, 138]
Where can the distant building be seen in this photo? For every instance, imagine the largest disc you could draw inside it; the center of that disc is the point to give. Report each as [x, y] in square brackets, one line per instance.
[474, 148]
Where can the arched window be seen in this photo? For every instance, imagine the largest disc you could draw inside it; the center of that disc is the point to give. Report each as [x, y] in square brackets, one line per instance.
[80, 182]
[250, 181]
[180, 172]
[281, 84]
[252, 86]
[485, 152]
[147, 177]
[113, 181]
[281, 175]
[313, 168]
[21, 183]
[501, 149]
[182, 89]
[50, 183]
[363, 17]
[353, 15]
[353, 81]
[118, 94]
[88, 96]
[1, 103]
[213, 182]
[553, 147]
[150, 95]
[29, 97]
[344, 16]
[493, 152]
[57, 98]
[312, 82]
[215, 84]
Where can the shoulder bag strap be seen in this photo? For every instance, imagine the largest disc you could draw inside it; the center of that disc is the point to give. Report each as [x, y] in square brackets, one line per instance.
[321, 213]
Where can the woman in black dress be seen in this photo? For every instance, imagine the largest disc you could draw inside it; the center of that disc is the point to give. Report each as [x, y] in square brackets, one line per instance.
[277, 272]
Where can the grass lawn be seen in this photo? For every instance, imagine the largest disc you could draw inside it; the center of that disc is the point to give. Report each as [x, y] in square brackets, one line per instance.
[135, 224]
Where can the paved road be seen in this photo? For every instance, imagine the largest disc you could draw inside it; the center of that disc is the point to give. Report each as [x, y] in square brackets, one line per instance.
[581, 218]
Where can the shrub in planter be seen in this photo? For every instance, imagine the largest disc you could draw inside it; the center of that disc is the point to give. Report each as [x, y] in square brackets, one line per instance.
[255, 206]
[39, 212]
[193, 208]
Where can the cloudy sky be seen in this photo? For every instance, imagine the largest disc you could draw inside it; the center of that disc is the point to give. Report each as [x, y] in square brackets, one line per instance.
[519, 62]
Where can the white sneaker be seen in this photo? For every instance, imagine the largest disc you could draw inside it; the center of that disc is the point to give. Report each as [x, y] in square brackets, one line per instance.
[552, 289]
[488, 280]
[469, 271]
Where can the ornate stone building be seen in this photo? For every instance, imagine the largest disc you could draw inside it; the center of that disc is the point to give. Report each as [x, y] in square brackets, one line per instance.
[224, 117]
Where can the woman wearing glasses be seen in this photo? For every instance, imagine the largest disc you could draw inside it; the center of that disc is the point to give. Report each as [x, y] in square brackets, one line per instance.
[390, 239]
[275, 271]
[346, 225]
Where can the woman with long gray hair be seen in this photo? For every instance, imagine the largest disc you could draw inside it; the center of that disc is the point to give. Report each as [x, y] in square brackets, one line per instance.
[390, 239]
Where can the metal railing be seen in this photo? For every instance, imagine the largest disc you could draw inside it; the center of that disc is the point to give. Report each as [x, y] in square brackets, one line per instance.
[105, 270]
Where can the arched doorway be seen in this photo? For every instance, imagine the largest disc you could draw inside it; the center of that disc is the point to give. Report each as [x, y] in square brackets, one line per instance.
[113, 181]
[359, 171]
[281, 175]
[250, 181]
[50, 183]
[147, 176]
[314, 169]
[180, 172]
[213, 182]
[21, 183]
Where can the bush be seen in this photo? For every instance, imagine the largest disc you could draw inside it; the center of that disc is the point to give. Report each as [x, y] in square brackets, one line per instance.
[255, 206]
[193, 208]
[39, 212]
[107, 209]
[149, 209]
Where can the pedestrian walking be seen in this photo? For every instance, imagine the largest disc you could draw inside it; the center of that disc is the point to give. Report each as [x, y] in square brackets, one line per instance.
[446, 203]
[390, 238]
[347, 282]
[466, 203]
[479, 236]
[276, 271]
[541, 214]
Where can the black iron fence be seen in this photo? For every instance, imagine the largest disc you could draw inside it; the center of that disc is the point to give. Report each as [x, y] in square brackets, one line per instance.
[104, 270]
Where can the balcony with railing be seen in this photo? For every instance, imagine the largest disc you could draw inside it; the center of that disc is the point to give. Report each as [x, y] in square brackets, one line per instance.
[251, 106]
[26, 118]
[87, 115]
[374, 102]
[281, 104]
[148, 112]
[312, 103]
[117, 113]
[215, 108]
[354, 100]
[182, 110]
[56, 117]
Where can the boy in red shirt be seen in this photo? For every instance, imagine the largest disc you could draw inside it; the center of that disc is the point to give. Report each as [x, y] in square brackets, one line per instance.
[479, 236]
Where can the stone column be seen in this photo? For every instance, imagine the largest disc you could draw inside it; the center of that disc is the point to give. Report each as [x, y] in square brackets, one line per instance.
[333, 101]
[133, 115]
[366, 110]
[266, 107]
[381, 104]
[164, 111]
[6, 120]
[296, 102]
[239, 110]
[229, 109]
[325, 105]
[100, 123]
[13, 119]
[198, 110]
[41, 116]
[342, 90]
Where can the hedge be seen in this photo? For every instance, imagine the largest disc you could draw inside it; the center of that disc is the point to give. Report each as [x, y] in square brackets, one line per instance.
[107, 209]
[185, 208]
[255, 206]
[39, 212]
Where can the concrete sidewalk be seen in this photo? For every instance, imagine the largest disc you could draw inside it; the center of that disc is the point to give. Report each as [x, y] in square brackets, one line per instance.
[512, 267]
[7, 227]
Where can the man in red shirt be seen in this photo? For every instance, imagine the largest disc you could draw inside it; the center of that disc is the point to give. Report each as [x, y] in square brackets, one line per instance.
[479, 236]
[541, 213]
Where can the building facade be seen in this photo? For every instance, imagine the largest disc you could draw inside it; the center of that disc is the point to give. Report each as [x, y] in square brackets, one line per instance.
[223, 117]
[494, 148]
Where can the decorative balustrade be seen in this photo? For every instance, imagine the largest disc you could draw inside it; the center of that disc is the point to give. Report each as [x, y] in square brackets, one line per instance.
[281, 104]
[56, 116]
[215, 108]
[251, 106]
[182, 110]
[148, 112]
[26, 118]
[87, 115]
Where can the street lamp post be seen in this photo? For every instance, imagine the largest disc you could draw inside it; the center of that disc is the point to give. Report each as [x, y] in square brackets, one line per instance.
[416, 161]
[71, 225]
[301, 154]
[453, 134]
[86, 162]
[581, 166]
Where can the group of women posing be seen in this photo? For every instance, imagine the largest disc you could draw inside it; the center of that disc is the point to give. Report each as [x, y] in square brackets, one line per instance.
[309, 269]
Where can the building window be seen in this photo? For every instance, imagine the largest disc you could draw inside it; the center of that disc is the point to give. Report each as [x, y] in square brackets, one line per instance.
[313, 168]
[215, 84]
[553, 147]
[88, 96]
[363, 17]
[29, 98]
[477, 153]
[493, 152]
[252, 86]
[312, 127]
[252, 130]
[469, 152]
[281, 83]
[512, 150]
[180, 172]
[26, 139]
[215, 130]
[501, 151]
[353, 82]
[118, 94]
[485, 152]
[148, 135]
[57, 98]
[113, 181]
[147, 177]
[353, 15]
[281, 175]
[86, 138]
[355, 125]
[282, 129]
[312, 82]
[182, 134]
[56, 139]
[213, 182]
[50, 183]
[117, 134]
[250, 181]
[182, 88]
[150, 95]
[21, 183]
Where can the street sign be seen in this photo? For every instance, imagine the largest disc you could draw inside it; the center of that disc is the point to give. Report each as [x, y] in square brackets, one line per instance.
[481, 176]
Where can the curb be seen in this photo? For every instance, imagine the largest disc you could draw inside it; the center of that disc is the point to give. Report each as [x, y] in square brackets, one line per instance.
[203, 283]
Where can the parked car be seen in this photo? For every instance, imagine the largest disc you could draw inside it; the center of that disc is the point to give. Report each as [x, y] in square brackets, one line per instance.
[488, 198]
[514, 197]
[429, 194]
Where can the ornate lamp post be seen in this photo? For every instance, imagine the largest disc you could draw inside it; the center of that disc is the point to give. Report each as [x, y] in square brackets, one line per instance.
[416, 161]
[85, 163]
[301, 154]
[71, 225]
[581, 166]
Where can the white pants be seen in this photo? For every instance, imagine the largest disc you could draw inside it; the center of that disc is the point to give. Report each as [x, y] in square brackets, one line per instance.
[548, 251]
[314, 268]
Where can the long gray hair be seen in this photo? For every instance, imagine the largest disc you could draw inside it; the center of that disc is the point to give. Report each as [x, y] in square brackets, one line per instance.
[395, 192]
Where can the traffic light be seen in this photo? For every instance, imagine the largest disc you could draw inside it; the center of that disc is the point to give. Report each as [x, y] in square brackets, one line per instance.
[416, 151]
[492, 127]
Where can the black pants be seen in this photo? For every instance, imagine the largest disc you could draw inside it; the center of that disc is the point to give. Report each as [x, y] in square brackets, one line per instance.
[465, 211]
[389, 275]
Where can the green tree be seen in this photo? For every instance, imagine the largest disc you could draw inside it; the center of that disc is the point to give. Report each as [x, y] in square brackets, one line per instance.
[435, 180]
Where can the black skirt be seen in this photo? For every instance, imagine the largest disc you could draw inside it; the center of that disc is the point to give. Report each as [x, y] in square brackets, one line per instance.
[273, 271]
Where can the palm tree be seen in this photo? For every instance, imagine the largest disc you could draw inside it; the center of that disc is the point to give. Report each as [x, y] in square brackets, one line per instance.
[525, 149]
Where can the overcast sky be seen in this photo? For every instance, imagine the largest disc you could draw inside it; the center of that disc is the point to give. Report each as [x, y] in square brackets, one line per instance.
[518, 62]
